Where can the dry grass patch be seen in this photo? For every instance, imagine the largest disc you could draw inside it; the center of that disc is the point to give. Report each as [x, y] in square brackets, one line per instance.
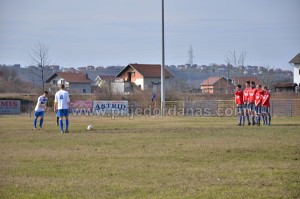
[149, 157]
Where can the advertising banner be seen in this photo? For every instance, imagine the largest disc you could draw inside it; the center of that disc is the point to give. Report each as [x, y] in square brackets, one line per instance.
[81, 107]
[111, 107]
[10, 107]
[81, 104]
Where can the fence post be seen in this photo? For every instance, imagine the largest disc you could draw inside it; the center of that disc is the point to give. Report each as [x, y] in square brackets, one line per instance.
[183, 107]
[30, 104]
[291, 107]
[272, 108]
[235, 112]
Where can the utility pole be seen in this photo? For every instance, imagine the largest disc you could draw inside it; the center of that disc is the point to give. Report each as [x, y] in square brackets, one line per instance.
[163, 58]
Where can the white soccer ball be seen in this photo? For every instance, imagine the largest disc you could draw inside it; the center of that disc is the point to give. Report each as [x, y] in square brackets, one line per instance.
[89, 127]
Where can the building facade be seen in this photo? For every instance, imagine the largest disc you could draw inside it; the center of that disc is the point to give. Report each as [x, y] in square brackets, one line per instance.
[216, 85]
[74, 82]
[296, 63]
[142, 76]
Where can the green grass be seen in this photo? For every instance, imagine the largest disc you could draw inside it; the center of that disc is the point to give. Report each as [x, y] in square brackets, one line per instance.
[149, 157]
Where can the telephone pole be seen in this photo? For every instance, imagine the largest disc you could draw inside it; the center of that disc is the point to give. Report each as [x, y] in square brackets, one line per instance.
[163, 58]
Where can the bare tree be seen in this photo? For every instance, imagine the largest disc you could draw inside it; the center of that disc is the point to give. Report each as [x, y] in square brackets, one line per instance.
[40, 62]
[10, 81]
[237, 62]
[266, 77]
[104, 92]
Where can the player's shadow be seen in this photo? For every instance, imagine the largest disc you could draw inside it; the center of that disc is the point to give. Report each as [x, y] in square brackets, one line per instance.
[285, 124]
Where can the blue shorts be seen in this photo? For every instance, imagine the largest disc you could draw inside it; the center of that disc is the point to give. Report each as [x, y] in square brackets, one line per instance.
[62, 113]
[265, 110]
[39, 113]
[251, 107]
[246, 106]
[240, 109]
[258, 109]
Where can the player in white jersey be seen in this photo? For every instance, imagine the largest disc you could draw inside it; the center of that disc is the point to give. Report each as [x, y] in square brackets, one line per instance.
[62, 101]
[40, 109]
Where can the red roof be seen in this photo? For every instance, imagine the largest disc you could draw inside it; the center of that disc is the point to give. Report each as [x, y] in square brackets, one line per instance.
[211, 81]
[148, 70]
[72, 77]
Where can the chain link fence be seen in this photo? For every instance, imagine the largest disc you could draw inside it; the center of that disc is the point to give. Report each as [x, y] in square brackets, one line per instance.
[227, 108]
[204, 108]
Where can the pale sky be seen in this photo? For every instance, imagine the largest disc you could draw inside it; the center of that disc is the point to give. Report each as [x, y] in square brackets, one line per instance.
[118, 32]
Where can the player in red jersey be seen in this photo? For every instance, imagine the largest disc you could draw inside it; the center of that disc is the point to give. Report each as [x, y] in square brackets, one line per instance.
[239, 104]
[246, 100]
[266, 107]
[251, 101]
[258, 99]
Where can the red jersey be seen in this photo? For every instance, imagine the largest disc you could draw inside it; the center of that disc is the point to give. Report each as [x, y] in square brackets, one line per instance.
[258, 97]
[252, 92]
[266, 99]
[239, 97]
[246, 94]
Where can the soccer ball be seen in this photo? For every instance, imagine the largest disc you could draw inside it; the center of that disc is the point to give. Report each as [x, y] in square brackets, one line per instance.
[89, 127]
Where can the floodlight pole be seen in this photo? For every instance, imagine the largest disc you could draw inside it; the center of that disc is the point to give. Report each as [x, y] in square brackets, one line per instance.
[162, 95]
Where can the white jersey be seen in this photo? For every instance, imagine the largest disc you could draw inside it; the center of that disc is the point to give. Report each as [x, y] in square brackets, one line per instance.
[62, 99]
[41, 103]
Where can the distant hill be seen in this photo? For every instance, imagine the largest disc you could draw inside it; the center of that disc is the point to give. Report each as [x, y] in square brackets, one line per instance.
[193, 76]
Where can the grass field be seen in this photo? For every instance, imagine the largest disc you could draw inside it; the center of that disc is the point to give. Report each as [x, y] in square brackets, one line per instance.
[149, 157]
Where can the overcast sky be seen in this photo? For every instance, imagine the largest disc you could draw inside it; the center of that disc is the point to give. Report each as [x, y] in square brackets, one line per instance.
[118, 32]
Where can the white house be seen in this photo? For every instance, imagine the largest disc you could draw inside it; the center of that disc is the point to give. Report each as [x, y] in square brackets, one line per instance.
[143, 76]
[296, 63]
[104, 79]
[74, 82]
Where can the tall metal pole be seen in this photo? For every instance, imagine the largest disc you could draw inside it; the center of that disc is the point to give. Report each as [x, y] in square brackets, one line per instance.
[163, 57]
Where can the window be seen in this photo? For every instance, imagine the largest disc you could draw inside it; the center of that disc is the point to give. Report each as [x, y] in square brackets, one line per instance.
[54, 82]
[84, 90]
[62, 81]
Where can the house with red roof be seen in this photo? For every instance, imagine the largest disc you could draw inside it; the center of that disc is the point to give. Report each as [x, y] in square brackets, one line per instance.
[285, 87]
[74, 82]
[213, 85]
[143, 76]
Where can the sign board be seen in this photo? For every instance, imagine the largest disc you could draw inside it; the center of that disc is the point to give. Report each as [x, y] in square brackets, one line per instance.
[111, 107]
[79, 107]
[81, 104]
[10, 107]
